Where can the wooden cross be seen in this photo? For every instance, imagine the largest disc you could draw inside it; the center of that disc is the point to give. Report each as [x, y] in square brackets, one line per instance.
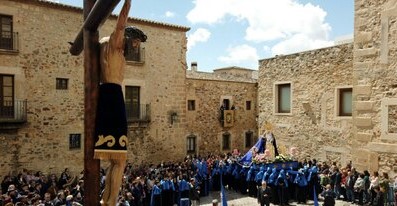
[95, 14]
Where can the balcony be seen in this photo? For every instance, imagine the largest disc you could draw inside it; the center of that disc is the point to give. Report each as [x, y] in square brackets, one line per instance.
[13, 114]
[138, 113]
[9, 41]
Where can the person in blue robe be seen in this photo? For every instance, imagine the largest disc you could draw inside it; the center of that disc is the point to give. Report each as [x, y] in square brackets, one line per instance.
[215, 177]
[252, 187]
[236, 177]
[282, 184]
[301, 182]
[167, 187]
[155, 199]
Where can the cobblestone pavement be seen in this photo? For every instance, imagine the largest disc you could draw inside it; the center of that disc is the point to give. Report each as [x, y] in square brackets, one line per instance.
[237, 199]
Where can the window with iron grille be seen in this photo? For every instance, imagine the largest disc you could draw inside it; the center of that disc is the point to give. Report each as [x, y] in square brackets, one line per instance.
[74, 141]
[6, 32]
[61, 83]
[191, 105]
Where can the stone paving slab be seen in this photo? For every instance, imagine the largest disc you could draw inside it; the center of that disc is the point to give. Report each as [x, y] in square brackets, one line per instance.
[237, 199]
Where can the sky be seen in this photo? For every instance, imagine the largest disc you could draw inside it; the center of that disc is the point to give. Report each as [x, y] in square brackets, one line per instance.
[226, 33]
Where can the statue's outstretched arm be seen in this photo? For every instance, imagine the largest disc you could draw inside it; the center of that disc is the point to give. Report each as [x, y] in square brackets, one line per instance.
[117, 37]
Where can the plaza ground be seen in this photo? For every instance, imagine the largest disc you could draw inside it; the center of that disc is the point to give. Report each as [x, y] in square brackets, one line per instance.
[237, 199]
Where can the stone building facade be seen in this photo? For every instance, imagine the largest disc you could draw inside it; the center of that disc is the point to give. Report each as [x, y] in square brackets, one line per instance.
[45, 84]
[174, 111]
[309, 83]
[234, 88]
[315, 84]
[47, 132]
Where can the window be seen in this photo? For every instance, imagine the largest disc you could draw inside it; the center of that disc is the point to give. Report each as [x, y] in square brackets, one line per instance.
[191, 144]
[226, 104]
[61, 84]
[74, 141]
[226, 141]
[6, 96]
[345, 102]
[283, 98]
[248, 105]
[132, 54]
[132, 102]
[191, 105]
[248, 139]
[6, 33]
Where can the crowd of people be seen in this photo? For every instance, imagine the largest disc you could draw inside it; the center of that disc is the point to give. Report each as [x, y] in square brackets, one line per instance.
[185, 182]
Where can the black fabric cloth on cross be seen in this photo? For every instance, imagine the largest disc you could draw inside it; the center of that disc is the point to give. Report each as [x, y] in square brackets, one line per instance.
[111, 123]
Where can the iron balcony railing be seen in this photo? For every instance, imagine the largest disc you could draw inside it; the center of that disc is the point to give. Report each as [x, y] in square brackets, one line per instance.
[13, 111]
[9, 41]
[137, 112]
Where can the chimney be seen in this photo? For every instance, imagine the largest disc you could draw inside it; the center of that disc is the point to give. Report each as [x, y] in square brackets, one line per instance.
[193, 66]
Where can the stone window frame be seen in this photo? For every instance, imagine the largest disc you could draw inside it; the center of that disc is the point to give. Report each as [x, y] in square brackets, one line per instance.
[276, 98]
[385, 103]
[188, 146]
[223, 146]
[337, 102]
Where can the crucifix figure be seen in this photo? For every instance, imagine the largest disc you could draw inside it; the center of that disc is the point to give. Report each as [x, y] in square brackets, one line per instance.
[111, 124]
[105, 125]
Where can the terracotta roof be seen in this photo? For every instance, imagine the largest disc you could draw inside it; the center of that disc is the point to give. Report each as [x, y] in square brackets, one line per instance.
[79, 9]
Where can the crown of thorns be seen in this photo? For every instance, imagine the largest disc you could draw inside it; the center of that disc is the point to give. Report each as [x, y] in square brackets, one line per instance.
[134, 33]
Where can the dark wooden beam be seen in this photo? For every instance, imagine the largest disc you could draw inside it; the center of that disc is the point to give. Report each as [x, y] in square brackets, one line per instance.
[91, 84]
[96, 17]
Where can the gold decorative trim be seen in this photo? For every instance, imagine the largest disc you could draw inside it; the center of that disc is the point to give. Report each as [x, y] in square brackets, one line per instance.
[102, 140]
[123, 141]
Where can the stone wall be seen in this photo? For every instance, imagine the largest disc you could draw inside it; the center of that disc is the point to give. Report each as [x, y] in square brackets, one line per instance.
[204, 122]
[313, 124]
[42, 143]
[374, 78]
[226, 74]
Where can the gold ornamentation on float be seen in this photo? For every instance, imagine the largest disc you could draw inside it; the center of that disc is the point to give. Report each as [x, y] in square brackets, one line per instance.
[123, 141]
[102, 140]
